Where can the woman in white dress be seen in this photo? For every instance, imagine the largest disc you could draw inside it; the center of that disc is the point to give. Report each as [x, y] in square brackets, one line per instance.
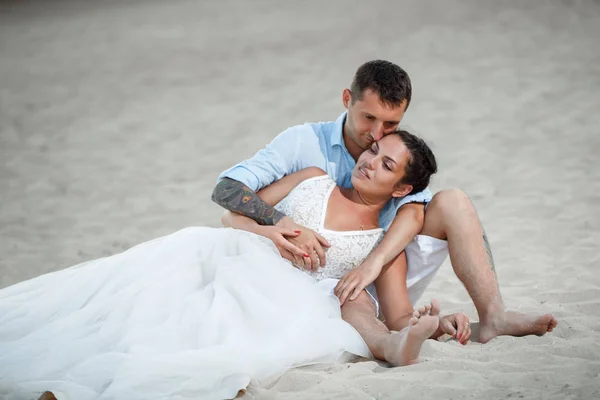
[204, 312]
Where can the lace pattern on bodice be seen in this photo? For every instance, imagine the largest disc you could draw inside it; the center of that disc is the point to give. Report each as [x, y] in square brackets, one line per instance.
[306, 204]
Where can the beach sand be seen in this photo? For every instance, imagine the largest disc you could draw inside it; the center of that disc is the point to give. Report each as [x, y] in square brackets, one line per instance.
[117, 116]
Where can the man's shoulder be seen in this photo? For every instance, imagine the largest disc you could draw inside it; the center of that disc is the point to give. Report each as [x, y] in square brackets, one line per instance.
[321, 128]
[309, 131]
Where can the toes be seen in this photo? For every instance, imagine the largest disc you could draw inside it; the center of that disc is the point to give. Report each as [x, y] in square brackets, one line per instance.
[551, 324]
[416, 314]
[413, 321]
[421, 310]
[435, 307]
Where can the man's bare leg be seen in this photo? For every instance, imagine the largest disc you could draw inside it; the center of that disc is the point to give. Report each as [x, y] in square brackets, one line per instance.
[451, 216]
[397, 348]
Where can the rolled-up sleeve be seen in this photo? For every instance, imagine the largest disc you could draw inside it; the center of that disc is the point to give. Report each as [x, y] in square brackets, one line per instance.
[387, 215]
[421, 197]
[275, 160]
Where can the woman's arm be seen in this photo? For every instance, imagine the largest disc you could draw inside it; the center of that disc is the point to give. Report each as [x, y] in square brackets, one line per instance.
[407, 224]
[397, 309]
[277, 190]
[237, 221]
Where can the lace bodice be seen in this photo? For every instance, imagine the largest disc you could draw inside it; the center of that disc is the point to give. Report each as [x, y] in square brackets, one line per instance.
[307, 205]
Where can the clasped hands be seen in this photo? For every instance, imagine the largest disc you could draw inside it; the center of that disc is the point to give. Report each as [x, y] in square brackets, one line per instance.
[301, 246]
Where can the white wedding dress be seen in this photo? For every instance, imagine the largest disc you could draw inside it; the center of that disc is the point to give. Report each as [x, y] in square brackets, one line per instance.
[198, 314]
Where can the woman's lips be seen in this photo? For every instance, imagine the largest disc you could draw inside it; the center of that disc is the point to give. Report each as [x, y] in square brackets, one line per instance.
[362, 171]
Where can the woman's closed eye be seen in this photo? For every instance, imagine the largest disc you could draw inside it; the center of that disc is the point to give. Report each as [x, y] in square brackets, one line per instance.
[374, 149]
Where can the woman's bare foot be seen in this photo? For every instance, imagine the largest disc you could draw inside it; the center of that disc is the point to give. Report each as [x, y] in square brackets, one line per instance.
[516, 324]
[403, 348]
[47, 396]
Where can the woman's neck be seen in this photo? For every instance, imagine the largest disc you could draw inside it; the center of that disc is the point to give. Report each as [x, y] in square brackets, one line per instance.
[365, 203]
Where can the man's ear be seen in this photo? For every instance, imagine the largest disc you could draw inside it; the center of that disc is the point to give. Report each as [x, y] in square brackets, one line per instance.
[346, 97]
[402, 190]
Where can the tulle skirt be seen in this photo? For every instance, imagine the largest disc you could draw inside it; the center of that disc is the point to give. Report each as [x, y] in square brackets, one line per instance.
[198, 314]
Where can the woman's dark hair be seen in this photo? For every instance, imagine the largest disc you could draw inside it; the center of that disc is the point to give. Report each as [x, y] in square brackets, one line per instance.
[421, 164]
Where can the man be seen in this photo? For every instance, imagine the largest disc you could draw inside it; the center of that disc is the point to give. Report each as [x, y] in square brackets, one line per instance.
[376, 102]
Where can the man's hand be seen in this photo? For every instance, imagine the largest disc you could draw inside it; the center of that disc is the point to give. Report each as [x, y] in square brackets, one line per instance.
[309, 242]
[355, 281]
[456, 325]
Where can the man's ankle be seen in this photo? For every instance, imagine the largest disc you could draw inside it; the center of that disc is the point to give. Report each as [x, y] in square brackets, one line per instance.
[492, 314]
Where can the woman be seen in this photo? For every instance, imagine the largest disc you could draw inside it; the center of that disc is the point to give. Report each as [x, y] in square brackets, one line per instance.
[203, 312]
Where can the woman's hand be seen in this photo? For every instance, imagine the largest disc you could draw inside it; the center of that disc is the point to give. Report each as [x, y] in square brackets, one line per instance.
[456, 325]
[280, 237]
[355, 281]
[308, 244]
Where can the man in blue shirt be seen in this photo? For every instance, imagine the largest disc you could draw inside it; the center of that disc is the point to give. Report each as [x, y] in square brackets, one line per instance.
[376, 102]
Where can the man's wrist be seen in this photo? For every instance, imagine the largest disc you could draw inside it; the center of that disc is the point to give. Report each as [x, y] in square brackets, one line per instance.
[278, 216]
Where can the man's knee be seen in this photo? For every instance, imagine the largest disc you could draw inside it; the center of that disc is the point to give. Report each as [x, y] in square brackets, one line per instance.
[443, 211]
[450, 200]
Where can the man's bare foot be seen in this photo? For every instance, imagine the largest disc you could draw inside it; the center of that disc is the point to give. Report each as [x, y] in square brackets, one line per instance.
[516, 324]
[403, 348]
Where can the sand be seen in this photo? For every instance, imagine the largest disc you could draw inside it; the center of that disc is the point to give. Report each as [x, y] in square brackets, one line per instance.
[117, 116]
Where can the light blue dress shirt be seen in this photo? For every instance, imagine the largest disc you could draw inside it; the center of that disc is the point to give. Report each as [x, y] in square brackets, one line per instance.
[310, 145]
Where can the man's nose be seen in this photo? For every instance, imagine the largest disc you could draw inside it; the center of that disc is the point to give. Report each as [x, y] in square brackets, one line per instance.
[377, 132]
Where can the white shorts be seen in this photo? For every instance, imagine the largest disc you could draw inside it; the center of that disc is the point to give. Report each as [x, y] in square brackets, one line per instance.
[424, 255]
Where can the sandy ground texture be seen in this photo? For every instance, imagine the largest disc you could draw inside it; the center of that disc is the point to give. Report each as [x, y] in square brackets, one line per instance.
[117, 116]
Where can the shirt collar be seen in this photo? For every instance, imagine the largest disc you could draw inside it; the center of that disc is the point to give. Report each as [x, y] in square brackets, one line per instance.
[338, 131]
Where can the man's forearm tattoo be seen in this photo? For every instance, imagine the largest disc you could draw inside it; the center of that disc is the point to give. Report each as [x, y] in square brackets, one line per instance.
[488, 250]
[238, 198]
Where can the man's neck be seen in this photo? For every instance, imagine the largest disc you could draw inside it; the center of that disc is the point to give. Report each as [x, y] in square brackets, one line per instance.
[352, 147]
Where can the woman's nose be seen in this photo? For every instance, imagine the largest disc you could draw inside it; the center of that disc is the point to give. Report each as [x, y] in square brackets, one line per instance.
[370, 163]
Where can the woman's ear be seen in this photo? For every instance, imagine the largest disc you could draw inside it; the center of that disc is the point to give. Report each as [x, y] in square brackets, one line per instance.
[402, 189]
